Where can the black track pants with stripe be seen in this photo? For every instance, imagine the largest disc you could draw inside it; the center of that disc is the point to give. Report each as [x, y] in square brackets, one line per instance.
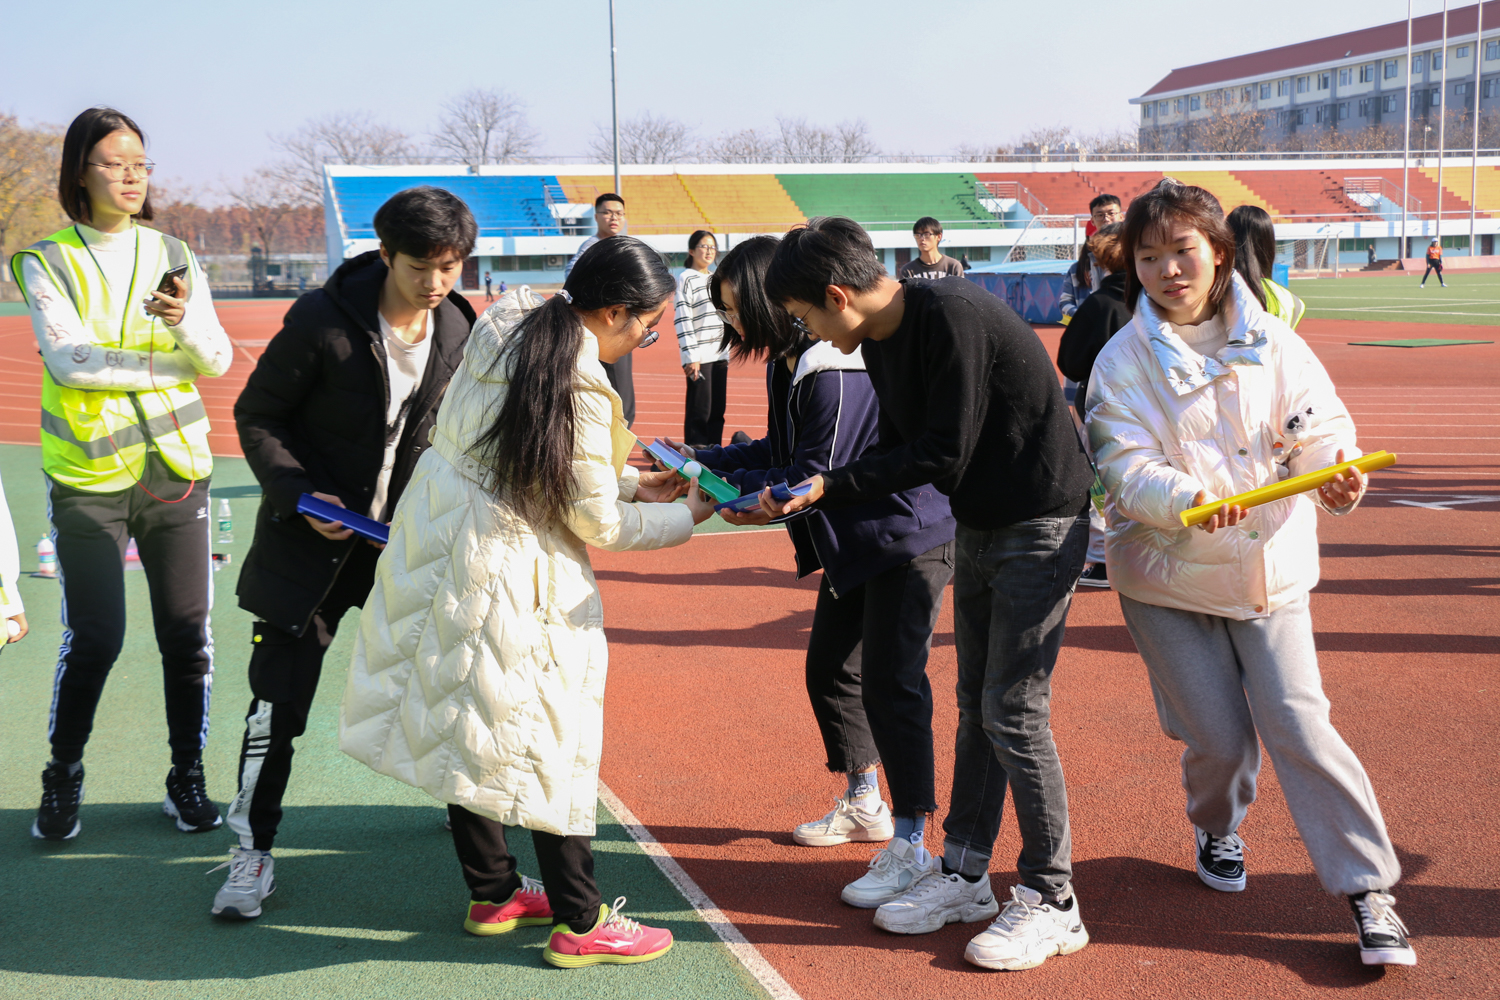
[91, 531]
[284, 672]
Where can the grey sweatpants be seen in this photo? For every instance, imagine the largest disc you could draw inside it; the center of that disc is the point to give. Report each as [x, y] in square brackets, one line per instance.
[1217, 683]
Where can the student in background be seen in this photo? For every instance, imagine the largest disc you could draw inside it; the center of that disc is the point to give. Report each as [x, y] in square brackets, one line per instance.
[930, 262]
[1102, 315]
[339, 406]
[1084, 276]
[479, 670]
[609, 221]
[885, 564]
[1185, 407]
[1370, 254]
[1434, 263]
[489, 293]
[705, 361]
[125, 449]
[970, 402]
[12, 610]
[1254, 256]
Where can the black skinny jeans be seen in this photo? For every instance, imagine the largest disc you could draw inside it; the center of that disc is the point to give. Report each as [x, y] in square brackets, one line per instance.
[565, 864]
[867, 675]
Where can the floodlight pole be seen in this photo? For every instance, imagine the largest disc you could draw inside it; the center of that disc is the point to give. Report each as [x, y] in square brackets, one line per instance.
[1402, 248]
[614, 96]
[1474, 157]
[1442, 121]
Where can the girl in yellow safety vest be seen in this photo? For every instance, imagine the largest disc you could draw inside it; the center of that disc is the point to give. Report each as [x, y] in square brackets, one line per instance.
[1254, 255]
[125, 325]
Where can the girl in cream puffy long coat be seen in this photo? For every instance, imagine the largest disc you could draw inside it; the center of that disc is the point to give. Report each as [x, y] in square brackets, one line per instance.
[478, 673]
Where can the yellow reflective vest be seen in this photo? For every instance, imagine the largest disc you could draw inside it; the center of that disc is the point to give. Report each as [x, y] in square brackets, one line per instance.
[96, 440]
[1281, 303]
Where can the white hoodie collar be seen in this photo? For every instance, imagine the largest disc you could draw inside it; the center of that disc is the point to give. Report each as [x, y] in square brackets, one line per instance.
[1186, 370]
[824, 357]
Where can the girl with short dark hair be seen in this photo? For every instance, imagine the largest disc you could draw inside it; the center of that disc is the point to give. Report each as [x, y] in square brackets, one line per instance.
[705, 361]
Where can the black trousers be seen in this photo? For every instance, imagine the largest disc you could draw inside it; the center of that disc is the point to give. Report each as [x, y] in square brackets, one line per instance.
[1433, 265]
[566, 866]
[867, 675]
[703, 421]
[623, 380]
[284, 673]
[91, 531]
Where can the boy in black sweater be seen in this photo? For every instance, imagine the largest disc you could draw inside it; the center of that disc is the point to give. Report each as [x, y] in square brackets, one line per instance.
[969, 402]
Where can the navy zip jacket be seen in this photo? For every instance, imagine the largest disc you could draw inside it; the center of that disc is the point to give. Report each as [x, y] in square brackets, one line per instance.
[820, 417]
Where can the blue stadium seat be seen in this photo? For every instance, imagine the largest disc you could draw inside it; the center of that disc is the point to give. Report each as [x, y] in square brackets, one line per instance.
[503, 206]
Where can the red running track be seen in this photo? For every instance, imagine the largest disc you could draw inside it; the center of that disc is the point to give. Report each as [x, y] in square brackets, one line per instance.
[711, 744]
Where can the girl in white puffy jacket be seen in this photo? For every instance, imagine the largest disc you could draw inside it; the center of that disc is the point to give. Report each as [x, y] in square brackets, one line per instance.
[1204, 396]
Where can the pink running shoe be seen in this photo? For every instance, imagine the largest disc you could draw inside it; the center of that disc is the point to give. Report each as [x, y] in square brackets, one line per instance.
[614, 940]
[526, 907]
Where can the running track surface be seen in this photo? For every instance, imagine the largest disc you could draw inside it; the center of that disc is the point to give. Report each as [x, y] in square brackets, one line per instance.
[712, 746]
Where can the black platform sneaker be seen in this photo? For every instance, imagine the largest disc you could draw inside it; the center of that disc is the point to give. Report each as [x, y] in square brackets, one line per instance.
[1382, 935]
[188, 803]
[1221, 861]
[62, 793]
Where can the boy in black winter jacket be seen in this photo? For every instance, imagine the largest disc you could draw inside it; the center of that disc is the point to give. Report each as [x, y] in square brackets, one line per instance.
[969, 401]
[339, 406]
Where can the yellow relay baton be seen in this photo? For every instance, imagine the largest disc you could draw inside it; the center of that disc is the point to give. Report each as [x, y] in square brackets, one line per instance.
[1288, 487]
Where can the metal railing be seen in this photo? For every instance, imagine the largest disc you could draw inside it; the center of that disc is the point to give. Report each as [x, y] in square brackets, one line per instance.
[1360, 188]
[1015, 191]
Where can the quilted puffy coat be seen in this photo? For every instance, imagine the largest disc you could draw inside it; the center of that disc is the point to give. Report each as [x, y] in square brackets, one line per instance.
[478, 672]
[1165, 422]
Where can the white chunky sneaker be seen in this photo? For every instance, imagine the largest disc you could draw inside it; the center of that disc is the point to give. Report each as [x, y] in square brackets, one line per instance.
[251, 879]
[1028, 932]
[894, 868]
[865, 819]
[935, 900]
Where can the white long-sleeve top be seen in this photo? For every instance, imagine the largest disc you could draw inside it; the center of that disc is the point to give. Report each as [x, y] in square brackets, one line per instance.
[67, 348]
[10, 566]
[699, 328]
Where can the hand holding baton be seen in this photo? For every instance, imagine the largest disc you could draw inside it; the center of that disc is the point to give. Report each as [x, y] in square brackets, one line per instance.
[1288, 487]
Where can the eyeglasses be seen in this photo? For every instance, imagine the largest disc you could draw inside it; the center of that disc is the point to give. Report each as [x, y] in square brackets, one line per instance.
[611, 214]
[800, 322]
[651, 334]
[729, 317]
[116, 171]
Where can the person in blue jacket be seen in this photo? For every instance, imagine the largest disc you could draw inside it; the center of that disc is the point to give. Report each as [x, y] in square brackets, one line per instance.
[885, 564]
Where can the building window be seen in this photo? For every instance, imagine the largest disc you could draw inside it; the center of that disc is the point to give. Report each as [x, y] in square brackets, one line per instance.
[1325, 80]
[1390, 102]
[1265, 91]
[1491, 50]
[1390, 69]
[1281, 118]
[1460, 89]
[1437, 61]
[1195, 102]
[1367, 73]
[1435, 98]
[1161, 108]
[1345, 75]
[1302, 84]
[1364, 108]
[1463, 52]
[1283, 87]
[1177, 106]
[1343, 110]
[1247, 95]
[1455, 243]
[1489, 88]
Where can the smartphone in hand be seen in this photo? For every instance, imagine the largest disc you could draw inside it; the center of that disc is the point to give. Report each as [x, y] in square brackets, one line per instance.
[167, 286]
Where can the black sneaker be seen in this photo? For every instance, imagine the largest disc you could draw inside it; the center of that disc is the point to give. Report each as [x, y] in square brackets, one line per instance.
[1221, 861]
[1382, 935]
[1094, 575]
[739, 437]
[62, 793]
[188, 803]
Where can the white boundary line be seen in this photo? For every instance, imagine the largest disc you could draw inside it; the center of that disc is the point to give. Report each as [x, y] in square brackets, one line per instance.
[748, 955]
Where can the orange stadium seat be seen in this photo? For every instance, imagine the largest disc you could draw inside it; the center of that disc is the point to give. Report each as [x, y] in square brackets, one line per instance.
[654, 203]
[743, 202]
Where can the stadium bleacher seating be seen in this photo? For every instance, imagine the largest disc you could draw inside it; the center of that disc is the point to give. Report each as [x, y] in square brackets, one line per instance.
[654, 203]
[743, 202]
[1287, 194]
[503, 206]
[887, 201]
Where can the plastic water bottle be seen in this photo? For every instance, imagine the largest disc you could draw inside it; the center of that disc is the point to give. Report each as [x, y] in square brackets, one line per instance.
[46, 558]
[132, 556]
[226, 521]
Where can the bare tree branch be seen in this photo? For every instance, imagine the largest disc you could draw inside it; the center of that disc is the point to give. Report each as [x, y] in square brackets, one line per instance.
[745, 146]
[646, 138]
[266, 201]
[345, 137]
[28, 170]
[484, 126]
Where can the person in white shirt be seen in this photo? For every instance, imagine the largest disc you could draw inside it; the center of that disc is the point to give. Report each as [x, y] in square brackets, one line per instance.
[700, 338]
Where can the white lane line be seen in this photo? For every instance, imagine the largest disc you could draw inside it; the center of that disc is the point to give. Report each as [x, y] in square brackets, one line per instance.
[749, 956]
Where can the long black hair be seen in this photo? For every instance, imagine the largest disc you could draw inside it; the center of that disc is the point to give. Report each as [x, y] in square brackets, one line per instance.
[529, 447]
[764, 329]
[87, 131]
[1254, 246]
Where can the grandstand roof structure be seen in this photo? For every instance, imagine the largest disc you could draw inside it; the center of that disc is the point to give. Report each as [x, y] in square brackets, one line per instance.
[524, 209]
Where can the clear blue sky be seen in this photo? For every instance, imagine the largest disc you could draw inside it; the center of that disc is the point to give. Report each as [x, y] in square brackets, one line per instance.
[208, 82]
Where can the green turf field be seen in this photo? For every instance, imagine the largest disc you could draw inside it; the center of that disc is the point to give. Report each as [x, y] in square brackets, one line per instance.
[370, 900]
[1469, 298]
